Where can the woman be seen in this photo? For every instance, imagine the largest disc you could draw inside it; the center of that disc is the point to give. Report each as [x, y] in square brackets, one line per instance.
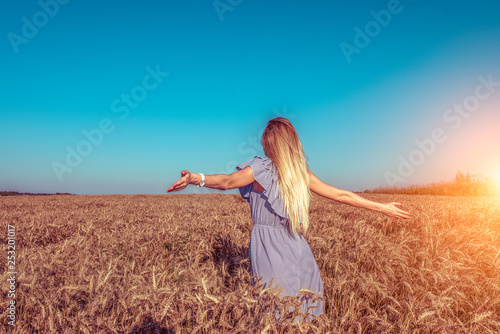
[278, 190]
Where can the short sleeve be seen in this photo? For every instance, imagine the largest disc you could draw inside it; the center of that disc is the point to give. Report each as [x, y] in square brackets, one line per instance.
[265, 174]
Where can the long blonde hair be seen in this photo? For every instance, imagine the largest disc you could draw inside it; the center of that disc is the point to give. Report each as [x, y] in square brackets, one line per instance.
[282, 145]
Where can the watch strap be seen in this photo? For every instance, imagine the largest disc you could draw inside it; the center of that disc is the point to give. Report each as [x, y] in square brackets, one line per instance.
[202, 183]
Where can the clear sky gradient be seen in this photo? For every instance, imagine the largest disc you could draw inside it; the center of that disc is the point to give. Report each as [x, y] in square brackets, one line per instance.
[101, 98]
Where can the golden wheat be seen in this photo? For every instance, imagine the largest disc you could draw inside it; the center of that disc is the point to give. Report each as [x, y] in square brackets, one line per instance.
[179, 264]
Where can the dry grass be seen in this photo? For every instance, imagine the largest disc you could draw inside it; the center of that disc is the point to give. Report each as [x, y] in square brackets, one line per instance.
[179, 264]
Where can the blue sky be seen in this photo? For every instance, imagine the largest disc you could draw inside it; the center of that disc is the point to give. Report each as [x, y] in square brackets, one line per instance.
[161, 86]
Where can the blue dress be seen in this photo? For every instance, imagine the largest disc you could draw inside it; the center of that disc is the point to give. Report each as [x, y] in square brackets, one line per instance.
[274, 251]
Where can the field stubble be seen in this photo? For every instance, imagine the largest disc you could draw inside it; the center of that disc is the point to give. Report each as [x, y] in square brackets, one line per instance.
[179, 264]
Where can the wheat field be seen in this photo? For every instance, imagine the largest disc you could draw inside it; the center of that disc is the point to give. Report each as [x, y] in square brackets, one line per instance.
[179, 264]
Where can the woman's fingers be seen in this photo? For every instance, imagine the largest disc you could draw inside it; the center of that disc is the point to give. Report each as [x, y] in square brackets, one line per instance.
[397, 212]
[404, 214]
[177, 187]
[182, 183]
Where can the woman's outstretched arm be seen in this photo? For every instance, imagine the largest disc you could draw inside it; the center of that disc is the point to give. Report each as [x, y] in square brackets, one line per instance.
[218, 181]
[348, 197]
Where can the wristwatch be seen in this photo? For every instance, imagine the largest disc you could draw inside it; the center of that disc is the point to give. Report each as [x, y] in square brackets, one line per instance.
[202, 183]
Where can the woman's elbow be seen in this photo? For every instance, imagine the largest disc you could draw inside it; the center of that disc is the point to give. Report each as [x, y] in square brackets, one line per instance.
[342, 196]
[226, 183]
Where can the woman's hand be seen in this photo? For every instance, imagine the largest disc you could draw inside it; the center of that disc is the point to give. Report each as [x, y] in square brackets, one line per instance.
[392, 211]
[186, 178]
